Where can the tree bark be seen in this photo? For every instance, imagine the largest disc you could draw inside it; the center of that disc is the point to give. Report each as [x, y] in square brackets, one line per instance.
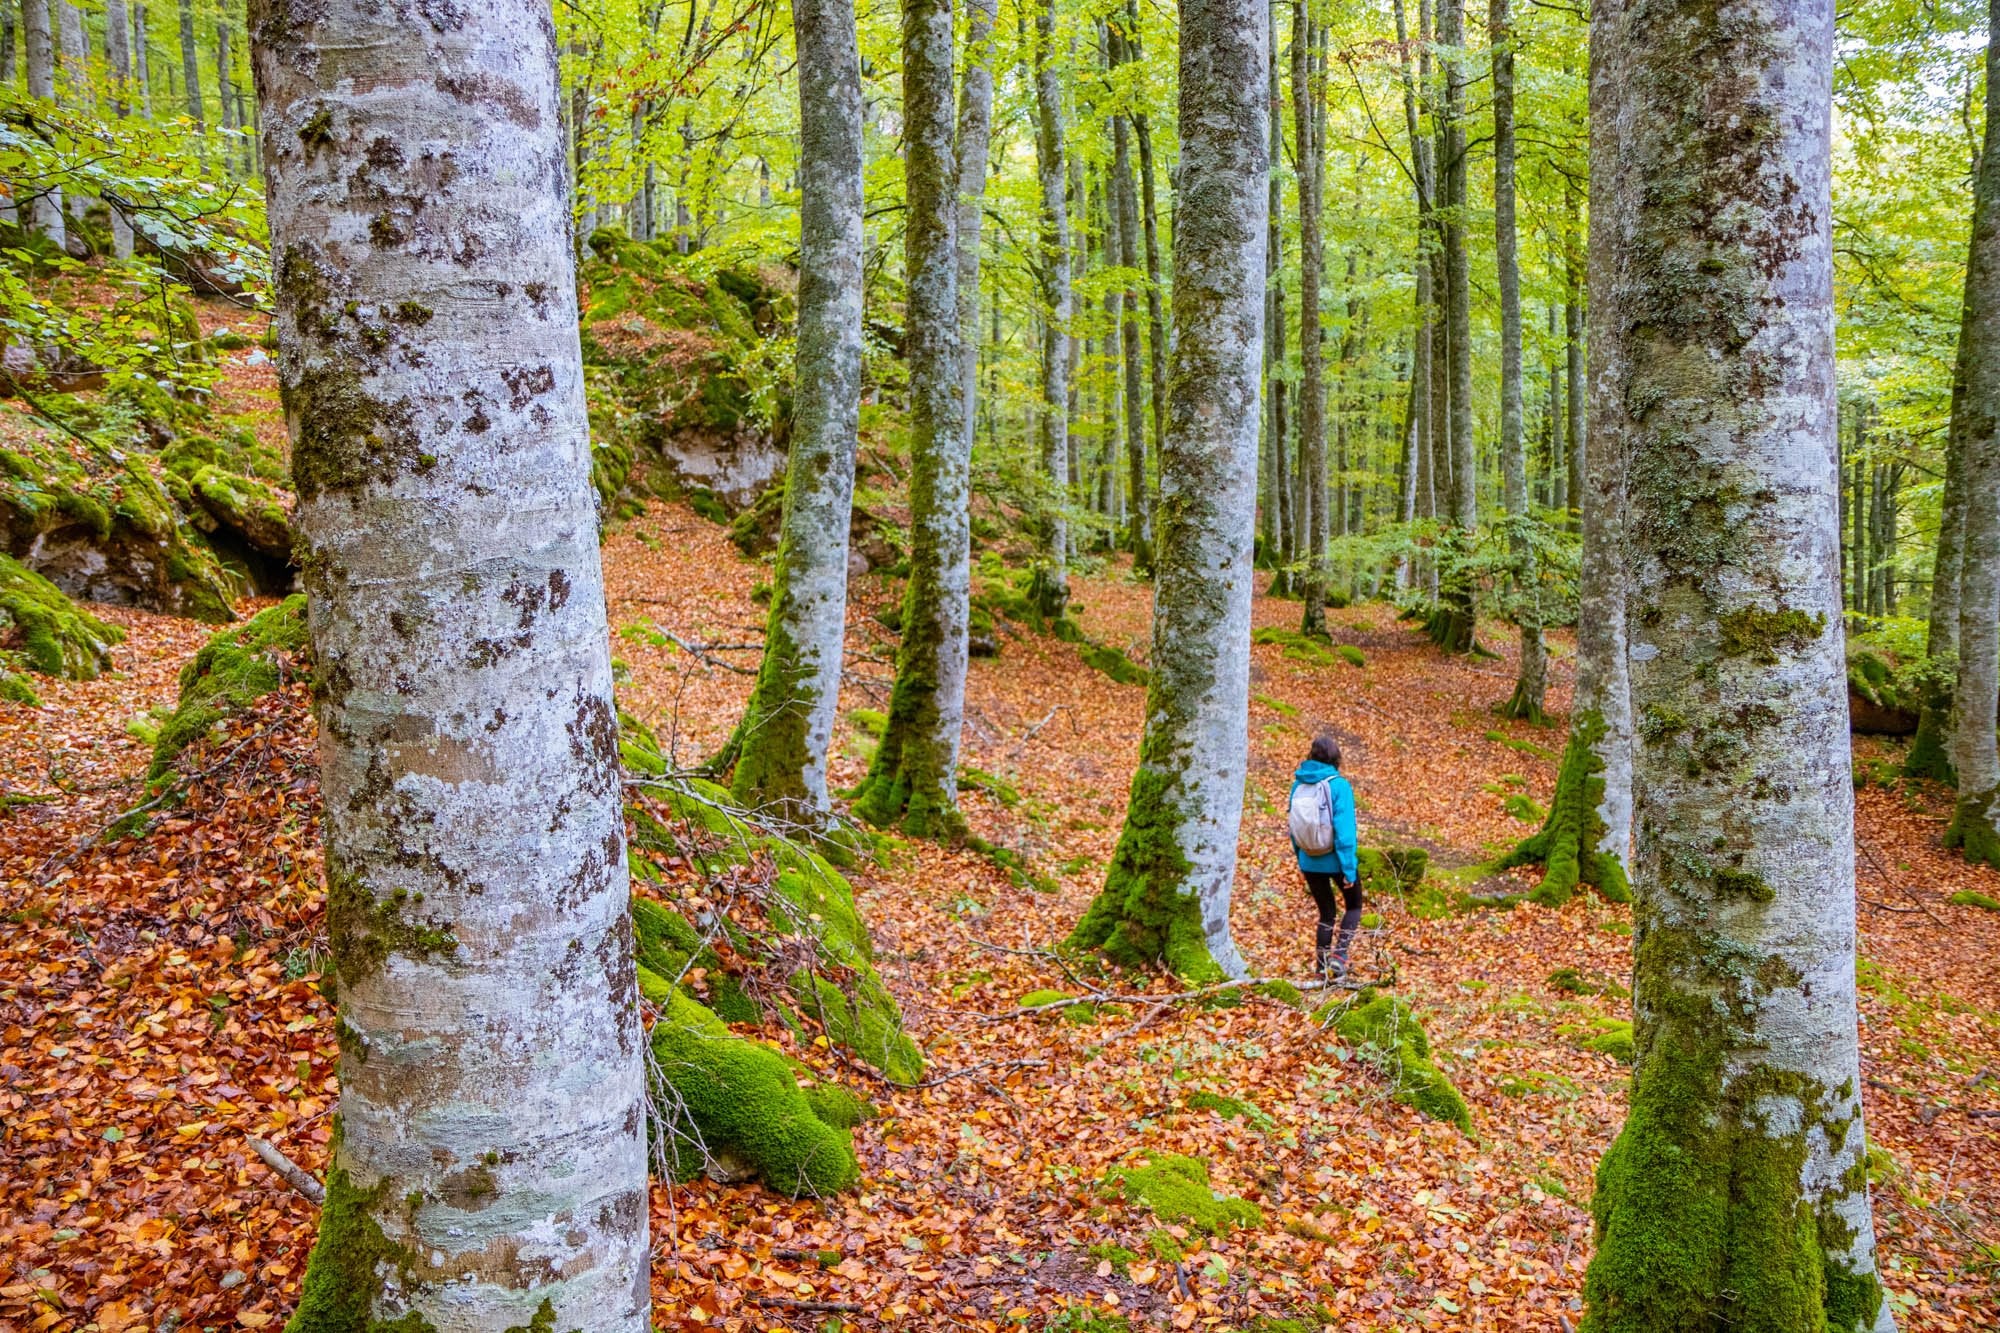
[975, 131]
[1126, 209]
[490, 1165]
[1975, 436]
[913, 779]
[1531, 679]
[1288, 543]
[1576, 396]
[225, 90]
[1166, 895]
[45, 211]
[1736, 1193]
[789, 720]
[141, 61]
[118, 61]
[1930, 754]
[1306, 93]
[1051, 577]
[190, 78]
[1156, 324]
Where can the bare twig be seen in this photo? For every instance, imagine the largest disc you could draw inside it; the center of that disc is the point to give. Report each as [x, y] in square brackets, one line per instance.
[286, 1169]
[811, 1307]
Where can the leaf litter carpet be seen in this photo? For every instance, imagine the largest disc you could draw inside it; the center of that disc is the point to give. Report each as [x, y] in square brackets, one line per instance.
[158, 1002]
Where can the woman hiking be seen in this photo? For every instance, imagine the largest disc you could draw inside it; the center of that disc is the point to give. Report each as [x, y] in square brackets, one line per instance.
[1323, 837]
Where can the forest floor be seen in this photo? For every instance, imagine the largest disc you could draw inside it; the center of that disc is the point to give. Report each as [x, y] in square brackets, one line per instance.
[157, 1003]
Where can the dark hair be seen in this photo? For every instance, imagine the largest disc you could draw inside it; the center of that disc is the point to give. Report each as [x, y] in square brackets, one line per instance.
[1326, 749]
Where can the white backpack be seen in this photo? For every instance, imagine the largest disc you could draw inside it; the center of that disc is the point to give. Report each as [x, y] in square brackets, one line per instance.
[1311, 817]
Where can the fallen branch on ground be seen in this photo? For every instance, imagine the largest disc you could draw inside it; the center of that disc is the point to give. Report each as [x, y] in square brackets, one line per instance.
[286, 1169]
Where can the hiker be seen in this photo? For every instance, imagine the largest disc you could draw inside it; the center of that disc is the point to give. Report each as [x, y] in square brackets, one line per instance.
[1322, 828]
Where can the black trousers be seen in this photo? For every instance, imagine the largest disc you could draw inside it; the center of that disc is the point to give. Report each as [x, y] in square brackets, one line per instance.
[1337, 922]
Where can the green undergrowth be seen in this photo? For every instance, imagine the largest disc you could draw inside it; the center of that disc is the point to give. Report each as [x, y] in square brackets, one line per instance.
[1177, 1190]
[1388, 1036]
[234, 669]
[1610, 1036]
[1055, 1003]
[42, 630]
[1229, 1108]
[1308, 649]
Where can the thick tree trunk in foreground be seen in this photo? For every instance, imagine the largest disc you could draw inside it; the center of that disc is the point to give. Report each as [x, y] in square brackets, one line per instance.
[490, 1165]
[1051, 581]
[914, 776]
[1166, 895]
[1531, 680]
[45, 214]
[1736, 1194]
[1306, 93]
[790, 717]
[1975, 437]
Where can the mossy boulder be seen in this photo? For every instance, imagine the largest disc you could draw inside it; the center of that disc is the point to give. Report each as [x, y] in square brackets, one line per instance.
[1385, 870]
[1386, 1034]
[234, 669]
[1176, 1189]
[680, 380]
[1885, 694]
[44, 631]
[1974, 898]
[99, 523]
[732, 1106]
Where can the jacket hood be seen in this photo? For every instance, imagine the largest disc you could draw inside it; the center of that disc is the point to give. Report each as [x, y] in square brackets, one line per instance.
[1312, 770]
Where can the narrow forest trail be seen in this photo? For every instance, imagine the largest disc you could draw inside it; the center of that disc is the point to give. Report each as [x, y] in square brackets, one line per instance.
[156, 1003]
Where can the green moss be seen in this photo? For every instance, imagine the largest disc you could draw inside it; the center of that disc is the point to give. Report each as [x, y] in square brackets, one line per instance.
[1078, 1011]
[1386, 870]
[1568, 844]
[1971, 830]
[351, 1264]
[1176, 1189]
[1351, 655]
[15, 689]
[1974, 898]
[234, 669]
[721, 1095]
[1613, 1037]
[1524, 808]
[869, 721]
[1229, 1108]
[1389, 1037]
[1120, 1258]
[1278, 706]
[54, 637]
[1284, 992]
[1144, 914]
[1114, 663]
[365, 928]
[838, 1107]
[1758, 634]
[1306, 648]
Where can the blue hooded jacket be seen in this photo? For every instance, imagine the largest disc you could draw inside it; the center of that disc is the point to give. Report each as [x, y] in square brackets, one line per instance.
[1340, 860]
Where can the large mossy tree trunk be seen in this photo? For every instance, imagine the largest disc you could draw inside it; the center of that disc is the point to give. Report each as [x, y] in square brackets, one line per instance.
[1166, 895]
[1306, 94]
[913, 779]
[1975, 436]
[490, 1165]
[789, 721]
[1531, 677]
[1050, 591]
[1736, 1195]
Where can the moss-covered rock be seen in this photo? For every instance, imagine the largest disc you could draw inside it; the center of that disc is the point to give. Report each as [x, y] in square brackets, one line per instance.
[1176, 1189]
[1388, 1036]
[100, 524]
[681, 390]
[1974, 898]
[46, 631]
[234, 669]
[1385, 870]
[732, 1106]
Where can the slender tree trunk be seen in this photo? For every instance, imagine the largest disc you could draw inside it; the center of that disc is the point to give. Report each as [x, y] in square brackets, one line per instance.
[1930, 753]
[75, 56]
[914, 776]
[1452, 625]
[118, 60]
[225, 89]
[1127, 211]
[1417, 490]
[8, 72]
[141, 61]
[1166, 895]
[1559, 496]
[1975, 434]
[1283, 584]
[1306, 93]
[1736, 1194]
[790, 717]
[45, 211]
[191, 79]
[1156, 323]
[490, 1165]
[975, 129]
[1574, 395]
[1051, 581]
[1531, 679]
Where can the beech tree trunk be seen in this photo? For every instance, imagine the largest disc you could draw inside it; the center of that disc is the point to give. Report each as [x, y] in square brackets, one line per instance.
[1051, 580]
[975, 130]
[1306, 93]
[1930, 752]
[790, 717]
[1286, 520]
[913, 778]
[225, 90]
[1531, 679]
[118, 60]
[1126, 210]
[490, 1165]
[1166, 895]
[1975, 434]
[45, 212]
[141, 61]
[1736, 1194]
[190, 78]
